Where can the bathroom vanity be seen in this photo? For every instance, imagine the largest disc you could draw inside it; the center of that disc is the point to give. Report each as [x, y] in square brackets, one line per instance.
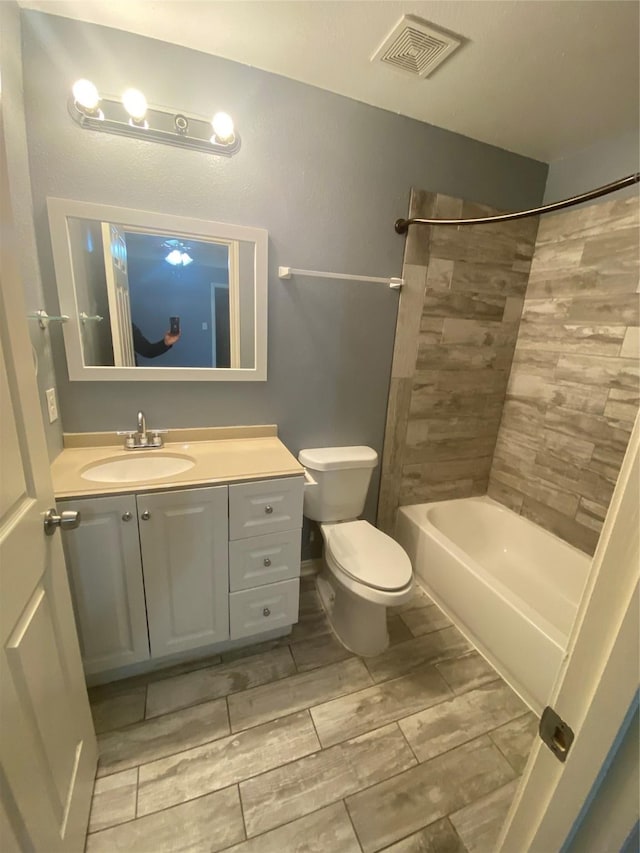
[183, 564]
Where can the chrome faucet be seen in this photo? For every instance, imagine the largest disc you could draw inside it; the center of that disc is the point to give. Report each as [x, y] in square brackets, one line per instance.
[141, 439]
[142, 429]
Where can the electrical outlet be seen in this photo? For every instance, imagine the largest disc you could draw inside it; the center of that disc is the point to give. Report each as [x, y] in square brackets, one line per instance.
[52, 405]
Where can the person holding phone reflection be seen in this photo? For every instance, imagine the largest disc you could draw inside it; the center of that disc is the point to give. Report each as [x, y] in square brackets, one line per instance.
[149, 349]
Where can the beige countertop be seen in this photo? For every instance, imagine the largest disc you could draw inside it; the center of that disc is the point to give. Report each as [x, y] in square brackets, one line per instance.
[221, 455]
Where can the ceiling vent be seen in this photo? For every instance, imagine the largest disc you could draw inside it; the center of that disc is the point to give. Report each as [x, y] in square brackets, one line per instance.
[416, 47]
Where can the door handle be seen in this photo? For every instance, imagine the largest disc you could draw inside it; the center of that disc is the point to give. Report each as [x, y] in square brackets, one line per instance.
[67, 520]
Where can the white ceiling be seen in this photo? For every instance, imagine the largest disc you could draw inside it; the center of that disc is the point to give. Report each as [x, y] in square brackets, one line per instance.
[543, 78]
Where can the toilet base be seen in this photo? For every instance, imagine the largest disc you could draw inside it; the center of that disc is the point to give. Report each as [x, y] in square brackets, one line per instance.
[360, 625]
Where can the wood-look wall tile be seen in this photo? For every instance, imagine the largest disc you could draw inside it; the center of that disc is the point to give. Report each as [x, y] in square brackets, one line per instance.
[579, 282]
[548, 309]
[631, 344]
[439, 274]
[621, 308]
[430, 331]
[591, 514]
[539, 362]
[609, 372]
[574, 449]
[614, 252]
[570, 338]
[444, 357]
[622, 404]
[469, 306]
[587, 427]
[483, 278]
[506, 495]
[479, 333]
[397, 419]
[445, 449]
[418, 240]
[408, 322]
[566, 528]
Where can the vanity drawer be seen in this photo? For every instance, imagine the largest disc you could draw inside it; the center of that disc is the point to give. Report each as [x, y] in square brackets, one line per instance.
[259, 560]
[252, 611]
[265, 507]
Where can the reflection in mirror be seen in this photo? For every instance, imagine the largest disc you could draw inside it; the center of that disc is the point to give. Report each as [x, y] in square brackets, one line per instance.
[165, 301]
[144, 294]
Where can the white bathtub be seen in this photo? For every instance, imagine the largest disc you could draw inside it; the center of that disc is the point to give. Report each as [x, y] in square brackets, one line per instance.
[511, 587]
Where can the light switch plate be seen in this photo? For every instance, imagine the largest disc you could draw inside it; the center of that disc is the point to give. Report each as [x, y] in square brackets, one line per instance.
[52, 405]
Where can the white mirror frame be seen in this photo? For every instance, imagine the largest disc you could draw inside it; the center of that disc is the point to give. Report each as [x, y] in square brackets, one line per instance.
[61, 209]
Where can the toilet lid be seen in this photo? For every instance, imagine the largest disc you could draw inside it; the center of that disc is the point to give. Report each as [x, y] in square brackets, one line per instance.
[368, 555]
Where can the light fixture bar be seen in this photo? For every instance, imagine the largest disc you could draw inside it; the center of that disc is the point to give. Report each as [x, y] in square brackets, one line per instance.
[167, 126]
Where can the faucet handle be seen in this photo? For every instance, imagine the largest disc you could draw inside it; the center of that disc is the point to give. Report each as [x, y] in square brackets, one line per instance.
[129, 441]
[155, 440]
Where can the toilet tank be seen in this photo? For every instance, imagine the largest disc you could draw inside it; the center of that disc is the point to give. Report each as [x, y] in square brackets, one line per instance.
[342, 475]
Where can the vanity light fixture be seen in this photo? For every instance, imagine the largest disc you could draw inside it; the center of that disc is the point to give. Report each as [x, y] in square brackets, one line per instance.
[130, 115]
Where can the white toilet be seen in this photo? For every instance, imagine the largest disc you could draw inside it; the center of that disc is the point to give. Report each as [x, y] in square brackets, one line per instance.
[364, 570]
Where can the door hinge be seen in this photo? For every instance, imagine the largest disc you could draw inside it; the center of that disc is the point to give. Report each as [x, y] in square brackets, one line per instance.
[557, 735]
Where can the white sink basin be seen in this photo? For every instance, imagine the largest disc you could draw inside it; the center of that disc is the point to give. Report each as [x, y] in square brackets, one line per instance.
[129, 469]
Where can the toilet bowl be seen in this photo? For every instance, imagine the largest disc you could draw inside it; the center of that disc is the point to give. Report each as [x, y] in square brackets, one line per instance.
[364, 570]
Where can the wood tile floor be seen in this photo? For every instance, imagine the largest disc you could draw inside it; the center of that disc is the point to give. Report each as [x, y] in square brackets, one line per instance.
[297, 745]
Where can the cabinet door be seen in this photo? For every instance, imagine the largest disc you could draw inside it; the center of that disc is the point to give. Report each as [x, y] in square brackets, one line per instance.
[103, 561]
[183, 537]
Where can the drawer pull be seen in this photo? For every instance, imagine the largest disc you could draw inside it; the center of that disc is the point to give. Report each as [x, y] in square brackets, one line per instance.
[126, 516]
[268, 509]
[146, 515]
[266, 562]
[266, 612]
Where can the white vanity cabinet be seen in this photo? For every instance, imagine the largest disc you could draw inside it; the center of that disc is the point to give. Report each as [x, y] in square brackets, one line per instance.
[105, 573]
[265, 521]
[156, 574]
[184, 546]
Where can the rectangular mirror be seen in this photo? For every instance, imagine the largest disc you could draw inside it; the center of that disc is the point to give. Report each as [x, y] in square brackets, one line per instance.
[154, 296]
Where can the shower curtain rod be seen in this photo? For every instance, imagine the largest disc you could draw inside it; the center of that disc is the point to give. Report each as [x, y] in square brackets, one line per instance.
[402, 225]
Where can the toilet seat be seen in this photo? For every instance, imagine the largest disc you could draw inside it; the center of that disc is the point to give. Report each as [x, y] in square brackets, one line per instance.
[367, 555]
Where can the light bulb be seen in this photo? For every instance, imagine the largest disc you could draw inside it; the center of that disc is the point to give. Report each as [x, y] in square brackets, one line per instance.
[222, 124]
[85, 94]
[135, 104]
[174, 258]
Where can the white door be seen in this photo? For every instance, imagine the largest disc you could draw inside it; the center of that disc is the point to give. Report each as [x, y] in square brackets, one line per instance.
[47, 743]
[115, 265]
[105, 572]
[594, 690]
[184, 543]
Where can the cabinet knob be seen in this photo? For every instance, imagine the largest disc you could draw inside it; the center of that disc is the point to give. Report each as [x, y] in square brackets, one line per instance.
[146, 515]
[266, 612]
[266, 562]
[126, 516]
[268, 509]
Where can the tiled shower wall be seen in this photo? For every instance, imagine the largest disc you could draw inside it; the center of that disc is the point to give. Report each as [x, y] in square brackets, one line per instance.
[573, 390]
[455, 336]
